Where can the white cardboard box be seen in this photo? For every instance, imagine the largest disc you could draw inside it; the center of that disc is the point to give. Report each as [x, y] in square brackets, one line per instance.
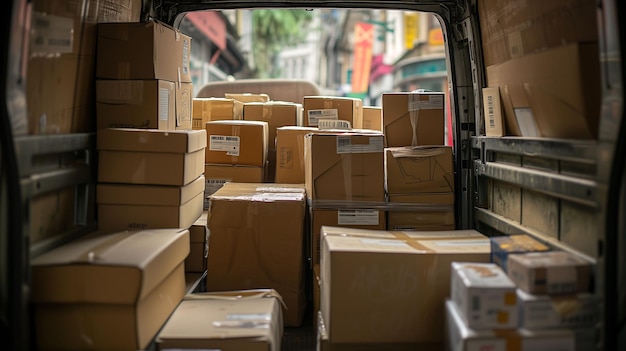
[568, 311]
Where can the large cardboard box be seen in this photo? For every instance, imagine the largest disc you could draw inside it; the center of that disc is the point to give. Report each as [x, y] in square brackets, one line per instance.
[248, 97]
[317, 108]
[372, 118]
[136, 104]
[492, 109]
[362, 218]
[503, 246]
[227, 321]
[568, 311]
[420, 169]
[344, 167]
[462, 338]
[184, 96]
[552, 272]
[390, 287]
[264, 246]
[412, 119]
[123, 284]
[199, 245]
[290, 154]
[237, 142]
[147, 156]
[556, 92]
[129, 206]
[218, 175]
[514, 29]
[484, 295]
[215, 109]
[147, 50]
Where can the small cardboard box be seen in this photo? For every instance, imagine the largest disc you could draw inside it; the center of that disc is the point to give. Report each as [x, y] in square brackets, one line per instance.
[382, 287]
[503, 246]
[317, 108]
[237, 142]
[215, 109]
[462, 338]
[227, 321]
[147, 156]
[199, 246]
[372, 118]
[565, 311]
[484, 295]
[412, 119]
[420, 211]
[290, 153]
[344, 167]
[494, 121]
[361, 218]
[248, 97]
[263, 246]
[124, 284]
[136, 104]
[218, 175]
[128, 206]
[143, 50]
[552, 272]
[184, 95]
[420, 169]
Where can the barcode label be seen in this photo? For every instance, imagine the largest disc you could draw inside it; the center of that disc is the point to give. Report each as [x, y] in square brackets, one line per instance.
[213, 185]
[185, 56]
[492, 122]
[357, 217]
[51, 34]
[316, 115]
[345, 146]
[164, 104]
[333, 124]
[227, 143]
[417, 103]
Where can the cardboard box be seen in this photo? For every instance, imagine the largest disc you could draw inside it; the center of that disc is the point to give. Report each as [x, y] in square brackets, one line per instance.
[420, 211]
[503, 246]
[124, 284]
[248, 97]
[264, 247]
[372, 118]
[290, 154]
[462, 338]
[184, 95]
[420, 169]
[227, 321]
[127, 206]
[511, 30]
[136, 104]
[552, 272]
[218, 175]
[332, 107]
[484, 295]
[237, 142]
[494, 120]
[344, 167]
[142, 156]
[556, 92]
[384, 287]
[215, 109]
[566, 311]
[148, 50]
[412, 119]
[316, 293]
[361, 218]
[199, 246]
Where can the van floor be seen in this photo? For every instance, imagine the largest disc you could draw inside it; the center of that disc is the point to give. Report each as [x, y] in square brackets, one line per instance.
[302, 338]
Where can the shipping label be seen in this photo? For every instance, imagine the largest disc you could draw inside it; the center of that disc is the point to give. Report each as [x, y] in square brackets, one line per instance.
[316, 115]
[357, 217]
[227, 143]
[345, 146]
[51, 34]
[164, 104]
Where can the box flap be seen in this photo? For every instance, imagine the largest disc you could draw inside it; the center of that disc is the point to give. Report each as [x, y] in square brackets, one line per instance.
[153, 195]
[150, 140]
[117, 268]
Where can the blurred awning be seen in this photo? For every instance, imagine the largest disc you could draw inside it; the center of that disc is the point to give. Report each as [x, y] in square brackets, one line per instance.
[212, 25]
[379, 68]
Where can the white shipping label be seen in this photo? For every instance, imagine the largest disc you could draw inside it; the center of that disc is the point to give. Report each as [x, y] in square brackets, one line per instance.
[434, 102]
[271, 197]
[185, 56]
[249, 317]
[561, 280]
[227, 143]
[345, 146]
[384, 242]
[51, 34]
[316, 115]
[164, 104]
[357, 217]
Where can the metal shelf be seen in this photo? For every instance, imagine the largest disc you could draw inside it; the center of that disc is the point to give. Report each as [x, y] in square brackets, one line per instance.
[582, 151]
[31, 146]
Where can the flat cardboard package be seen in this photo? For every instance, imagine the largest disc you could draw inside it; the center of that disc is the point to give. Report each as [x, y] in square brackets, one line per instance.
[290, 154]
[372, 118]
[124, 284]
[390, 287]
[264, 247]
[566, 311]
[317, 108]
[146, 50]
[412, 119]
[503, 246]
[218, 175]
[494, 118]
[131, 206]
[199, 246]
[184, 96]
[484, 295]
[361, 218]
[552, 272]
[215, 109]
[247, 97]
[147, 104]
[344, 167]
[237, 142]
[147, 156]
[553, 93]
[227, 321]
[462, 338]
[419, 169]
